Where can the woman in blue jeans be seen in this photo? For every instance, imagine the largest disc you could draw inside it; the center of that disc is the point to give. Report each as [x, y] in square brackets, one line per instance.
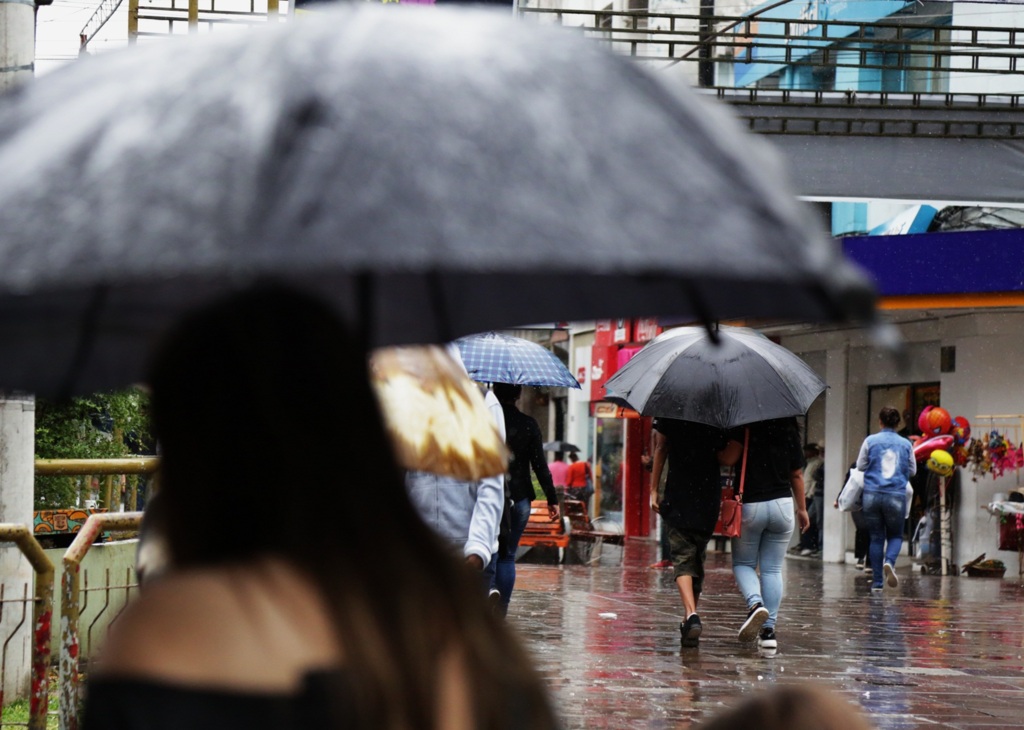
[773, 485]
[887, 460]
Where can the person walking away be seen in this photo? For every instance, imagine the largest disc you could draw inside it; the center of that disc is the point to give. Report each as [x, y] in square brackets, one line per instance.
[523, 437]
[861, 538]
[559, 469]
[887, 460]
[693, 495]
[814, 494]
[578, 479]
[773, 497]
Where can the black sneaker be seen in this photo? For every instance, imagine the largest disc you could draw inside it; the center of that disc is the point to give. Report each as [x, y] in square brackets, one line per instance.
[689, 631]
[755, 620]
[766, 639]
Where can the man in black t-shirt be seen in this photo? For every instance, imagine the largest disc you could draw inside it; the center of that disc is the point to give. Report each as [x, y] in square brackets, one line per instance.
[693, 494]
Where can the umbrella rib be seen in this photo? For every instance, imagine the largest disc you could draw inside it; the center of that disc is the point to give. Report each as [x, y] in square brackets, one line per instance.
[86, 339]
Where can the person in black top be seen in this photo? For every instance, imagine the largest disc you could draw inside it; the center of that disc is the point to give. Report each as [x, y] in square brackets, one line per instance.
[773, 503]
[693, 494]
[370, 622]
[523, 437]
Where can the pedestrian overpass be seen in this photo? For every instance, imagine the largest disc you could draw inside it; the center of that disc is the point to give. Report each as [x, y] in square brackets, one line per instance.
[955, 136]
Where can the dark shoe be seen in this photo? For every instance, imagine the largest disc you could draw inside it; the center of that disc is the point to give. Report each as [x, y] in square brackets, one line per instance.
[755, 620]
[766, 639]
[689, 631]
[891, 579]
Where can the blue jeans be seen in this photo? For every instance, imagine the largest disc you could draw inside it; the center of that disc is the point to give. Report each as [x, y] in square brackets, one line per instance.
[761, 547]
[505, 559]
[883, 513]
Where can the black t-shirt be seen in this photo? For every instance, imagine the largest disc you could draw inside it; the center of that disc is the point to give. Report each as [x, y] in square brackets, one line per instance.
[693, 486]
[775, 453]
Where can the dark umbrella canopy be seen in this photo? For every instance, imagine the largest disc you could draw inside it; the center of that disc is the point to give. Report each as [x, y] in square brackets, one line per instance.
[561, 446]
[743, 379]
[434, 172]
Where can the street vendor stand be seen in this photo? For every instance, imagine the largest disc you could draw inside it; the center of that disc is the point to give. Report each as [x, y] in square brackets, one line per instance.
[1011, 528]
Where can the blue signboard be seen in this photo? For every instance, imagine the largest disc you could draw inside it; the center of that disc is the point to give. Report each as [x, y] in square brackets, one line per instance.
[768, 50]
[957, 262]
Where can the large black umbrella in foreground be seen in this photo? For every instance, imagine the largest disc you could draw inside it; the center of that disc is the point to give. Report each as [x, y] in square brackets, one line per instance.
[435, 172]
[743, 378]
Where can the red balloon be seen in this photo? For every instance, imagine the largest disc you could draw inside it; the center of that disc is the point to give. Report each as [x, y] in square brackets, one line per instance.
[922, 422]
[937, 421]
[924, 449]
[961, 430]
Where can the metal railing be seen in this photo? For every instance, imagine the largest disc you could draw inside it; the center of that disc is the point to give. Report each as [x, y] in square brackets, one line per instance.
[42, 616]
[71, 607]
[929, 77]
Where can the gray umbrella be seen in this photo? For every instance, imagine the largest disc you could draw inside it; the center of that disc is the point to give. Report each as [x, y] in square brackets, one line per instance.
[744, 378]
[435, 172]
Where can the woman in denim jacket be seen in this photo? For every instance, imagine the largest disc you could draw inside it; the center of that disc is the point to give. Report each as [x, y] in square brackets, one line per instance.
[887, 460]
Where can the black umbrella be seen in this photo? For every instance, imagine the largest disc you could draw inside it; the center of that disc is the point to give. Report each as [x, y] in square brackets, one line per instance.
[561, 446]
[433, 171]
[743, 378]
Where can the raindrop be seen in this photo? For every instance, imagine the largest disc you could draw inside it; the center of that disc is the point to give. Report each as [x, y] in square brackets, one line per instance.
[760, 677]
[608, 615]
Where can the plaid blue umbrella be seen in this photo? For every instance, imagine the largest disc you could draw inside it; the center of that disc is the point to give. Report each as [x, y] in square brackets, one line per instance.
[496, 358]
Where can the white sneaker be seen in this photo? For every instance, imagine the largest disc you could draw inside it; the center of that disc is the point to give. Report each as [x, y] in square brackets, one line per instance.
[891, 579]
[805, 552]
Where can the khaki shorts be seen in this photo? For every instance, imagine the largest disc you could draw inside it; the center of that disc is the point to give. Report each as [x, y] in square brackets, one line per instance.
[689, 550]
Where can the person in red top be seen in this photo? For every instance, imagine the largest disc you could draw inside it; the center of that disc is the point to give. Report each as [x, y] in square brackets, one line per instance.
[578, 479]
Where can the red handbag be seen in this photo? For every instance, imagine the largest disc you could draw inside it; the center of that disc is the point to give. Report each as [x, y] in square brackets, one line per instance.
[730, 518]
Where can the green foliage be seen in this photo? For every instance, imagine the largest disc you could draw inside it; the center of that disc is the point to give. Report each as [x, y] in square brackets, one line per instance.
[17, 712]
[100, 426]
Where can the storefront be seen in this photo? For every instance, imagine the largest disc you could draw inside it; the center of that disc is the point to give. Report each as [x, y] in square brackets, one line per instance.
[620, 436]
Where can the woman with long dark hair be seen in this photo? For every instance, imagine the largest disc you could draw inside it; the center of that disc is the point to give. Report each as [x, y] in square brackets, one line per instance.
[305, 590]
[887, 460]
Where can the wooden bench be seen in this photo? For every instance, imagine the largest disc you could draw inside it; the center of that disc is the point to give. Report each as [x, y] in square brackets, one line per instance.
[541, 530]
[582, 529]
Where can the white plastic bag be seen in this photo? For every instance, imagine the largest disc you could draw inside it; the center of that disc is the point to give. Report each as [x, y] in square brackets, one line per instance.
[852, 493]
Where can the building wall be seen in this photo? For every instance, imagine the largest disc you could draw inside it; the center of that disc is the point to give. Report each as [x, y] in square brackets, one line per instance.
[985, 382]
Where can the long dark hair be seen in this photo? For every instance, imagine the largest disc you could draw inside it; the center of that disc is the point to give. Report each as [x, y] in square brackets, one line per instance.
[263, 406]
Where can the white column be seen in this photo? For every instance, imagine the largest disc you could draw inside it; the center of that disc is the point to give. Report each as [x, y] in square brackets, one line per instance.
[17, 42]
[17, 472]
[837, 366]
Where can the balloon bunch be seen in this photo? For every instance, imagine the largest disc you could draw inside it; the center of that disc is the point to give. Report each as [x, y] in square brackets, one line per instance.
[941, 432]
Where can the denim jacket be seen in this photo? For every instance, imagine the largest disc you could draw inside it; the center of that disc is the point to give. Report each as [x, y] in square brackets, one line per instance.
[887, 460]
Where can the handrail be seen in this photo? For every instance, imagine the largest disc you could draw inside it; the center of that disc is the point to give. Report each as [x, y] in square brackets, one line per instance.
[78, 467]
[70, 643]
[42, 617]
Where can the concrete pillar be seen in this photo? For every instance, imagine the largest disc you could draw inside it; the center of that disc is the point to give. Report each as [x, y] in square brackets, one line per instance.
[17, 471]
[837, 366]
[17, 42]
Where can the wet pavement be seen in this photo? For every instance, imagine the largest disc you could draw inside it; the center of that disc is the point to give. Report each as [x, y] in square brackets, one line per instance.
[936, 652]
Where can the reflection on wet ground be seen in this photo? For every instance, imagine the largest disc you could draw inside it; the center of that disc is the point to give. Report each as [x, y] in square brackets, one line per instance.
[937, 652]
